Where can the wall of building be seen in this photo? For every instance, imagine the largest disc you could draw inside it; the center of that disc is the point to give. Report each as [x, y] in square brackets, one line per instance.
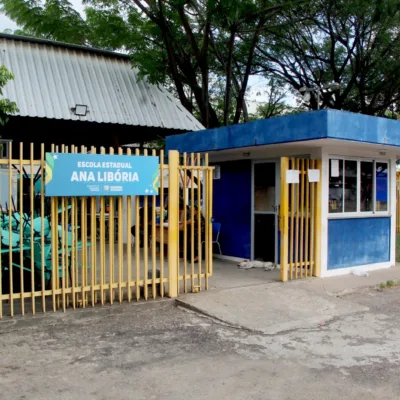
[232, 208]
[358, 242]
[59, 132]
[351, 241]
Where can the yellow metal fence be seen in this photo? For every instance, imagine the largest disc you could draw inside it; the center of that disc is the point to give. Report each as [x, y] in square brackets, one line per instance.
[57, 253]
[398, 202]
[300, 219]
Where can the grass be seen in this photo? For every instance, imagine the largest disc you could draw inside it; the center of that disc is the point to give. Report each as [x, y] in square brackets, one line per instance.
[389, 284]
[398, 248]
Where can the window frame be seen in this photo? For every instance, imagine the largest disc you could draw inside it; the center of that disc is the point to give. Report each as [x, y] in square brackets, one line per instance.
[359, 213]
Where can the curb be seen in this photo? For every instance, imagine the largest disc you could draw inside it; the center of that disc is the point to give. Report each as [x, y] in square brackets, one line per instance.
[199, 311]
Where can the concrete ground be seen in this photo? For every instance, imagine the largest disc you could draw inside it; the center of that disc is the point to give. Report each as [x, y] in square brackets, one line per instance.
[313, 339]
[262, 303]
[156, 350]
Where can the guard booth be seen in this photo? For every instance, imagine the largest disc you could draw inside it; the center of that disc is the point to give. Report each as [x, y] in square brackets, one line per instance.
[314, 192]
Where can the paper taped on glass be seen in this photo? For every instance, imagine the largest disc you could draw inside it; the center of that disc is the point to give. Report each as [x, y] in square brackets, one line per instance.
[334, 168]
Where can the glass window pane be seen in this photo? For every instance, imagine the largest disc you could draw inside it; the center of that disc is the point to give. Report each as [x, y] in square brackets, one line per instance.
[381, 186]
[336, 186]
[366, 168]
[350, 186]
[264, 187]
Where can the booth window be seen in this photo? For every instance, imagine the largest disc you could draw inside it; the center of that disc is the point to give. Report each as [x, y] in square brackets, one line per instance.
[381, 178]
[358, 186]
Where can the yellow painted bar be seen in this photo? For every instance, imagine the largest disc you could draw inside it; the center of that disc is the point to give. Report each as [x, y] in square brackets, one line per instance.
[192, 192]
[312, 223]
[307, 218]
[1, 281]
[56, 250]
[93, 243]
[398, 201]
[146, 243]
[21, 225]
[297, 231]
[185, 223]
[162, 222]
[153, 241]
[129, 241]
[73, 252]
[137, 241]
[63, 248]
[111, 249]
[302, 205]
[1, 277]
[31, 217]
[53, 253]
[292, 220]
[173, 223]
[209, 222]
[284, 219]
[318, 217]
[84, 244]
[120, 243]
[206, 199]
[10, 167]
[199, 197]
[42, 178]
[67, 244]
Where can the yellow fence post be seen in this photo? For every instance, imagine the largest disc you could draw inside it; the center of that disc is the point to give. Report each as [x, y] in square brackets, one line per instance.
[284, 220]
[318, 216]
[173, 222]
[398, 202]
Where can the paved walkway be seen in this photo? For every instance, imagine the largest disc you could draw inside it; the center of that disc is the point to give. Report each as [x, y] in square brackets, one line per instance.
[257, 301]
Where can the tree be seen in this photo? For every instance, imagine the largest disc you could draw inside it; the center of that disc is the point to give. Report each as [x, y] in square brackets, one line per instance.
[206, 51]
[55, 20]
[184, 43]
[7, 107]
[353, 42]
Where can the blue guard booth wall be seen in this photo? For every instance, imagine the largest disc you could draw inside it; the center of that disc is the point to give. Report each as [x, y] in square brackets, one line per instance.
[101, 175]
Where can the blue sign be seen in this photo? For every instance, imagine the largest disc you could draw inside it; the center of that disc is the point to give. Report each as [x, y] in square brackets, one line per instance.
[101, 175]
[382, 186]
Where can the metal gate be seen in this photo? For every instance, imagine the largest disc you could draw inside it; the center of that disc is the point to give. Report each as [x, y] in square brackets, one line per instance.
[397, 201]
[63, 252]
[300, 218]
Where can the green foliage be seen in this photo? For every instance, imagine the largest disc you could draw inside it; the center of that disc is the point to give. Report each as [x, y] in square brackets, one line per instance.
[7, 107]
[53, 19]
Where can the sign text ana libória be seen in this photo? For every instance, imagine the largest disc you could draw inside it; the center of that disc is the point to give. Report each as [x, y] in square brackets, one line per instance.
[120, 175]
[74, 174]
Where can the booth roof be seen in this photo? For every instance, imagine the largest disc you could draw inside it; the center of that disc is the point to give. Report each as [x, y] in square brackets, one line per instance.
[313, 125]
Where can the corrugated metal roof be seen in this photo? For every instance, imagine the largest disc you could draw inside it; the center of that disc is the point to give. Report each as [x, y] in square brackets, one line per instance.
[50, 79]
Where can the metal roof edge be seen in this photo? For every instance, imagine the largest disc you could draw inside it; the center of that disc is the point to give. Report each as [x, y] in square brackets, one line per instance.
[64, 45]
[363, 128]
